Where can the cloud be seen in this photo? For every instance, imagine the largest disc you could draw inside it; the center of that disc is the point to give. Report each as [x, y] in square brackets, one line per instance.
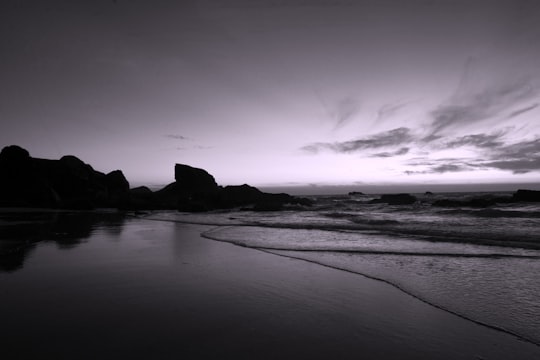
[344, 111]
[388, 110]
[481, 105]
[477, 140]
[402, 151]
[395, 137]
[341, 112]
[177, 137]
[522, 111]
[520, 158]
[441, 166]
[518, 166]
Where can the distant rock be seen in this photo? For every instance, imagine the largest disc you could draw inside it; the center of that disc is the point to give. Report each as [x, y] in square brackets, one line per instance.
[475, 203]
[527, 195]
[395, 199]
[356, 193]
[428, 193]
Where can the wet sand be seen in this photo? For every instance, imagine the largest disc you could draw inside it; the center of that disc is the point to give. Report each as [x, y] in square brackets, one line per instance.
[148, 289]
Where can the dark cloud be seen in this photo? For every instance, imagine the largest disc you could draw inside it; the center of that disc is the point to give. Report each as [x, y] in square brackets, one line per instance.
[519, 158]
[441, 166]
[478, 140]
[395, 137]
[517, 166]
[402, 151]
[521, 150]
[522, 111]
[474, 107]
[177, 137]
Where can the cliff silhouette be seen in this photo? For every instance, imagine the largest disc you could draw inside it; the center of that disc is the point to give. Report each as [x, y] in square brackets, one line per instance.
[69, 183]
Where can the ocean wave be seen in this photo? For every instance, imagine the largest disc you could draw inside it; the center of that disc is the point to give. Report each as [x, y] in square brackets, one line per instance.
[493, 213]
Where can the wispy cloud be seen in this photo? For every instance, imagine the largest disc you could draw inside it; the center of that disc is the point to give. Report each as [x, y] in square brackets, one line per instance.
[466, 107]
[477, 140]
[386, 154]
[388, 110]
[344, 111]
[177, 137]
[441, 166]
[520, 158]
[523, 110]
[395, 137]
[341, 112]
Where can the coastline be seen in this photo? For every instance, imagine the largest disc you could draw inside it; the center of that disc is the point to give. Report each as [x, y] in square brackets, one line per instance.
[177, 293]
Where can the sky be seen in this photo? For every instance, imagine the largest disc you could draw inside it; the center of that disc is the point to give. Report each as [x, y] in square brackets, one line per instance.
[278, 92]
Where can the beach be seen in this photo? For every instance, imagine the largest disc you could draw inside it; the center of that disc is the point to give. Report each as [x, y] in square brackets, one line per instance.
[139, 288]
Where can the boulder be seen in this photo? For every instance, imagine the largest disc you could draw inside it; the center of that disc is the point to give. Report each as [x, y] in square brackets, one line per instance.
[192, 181]
[395, 199]
[21, 185]
[527, 195]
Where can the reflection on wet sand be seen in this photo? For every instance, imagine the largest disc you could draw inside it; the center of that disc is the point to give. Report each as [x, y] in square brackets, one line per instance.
[20, 231]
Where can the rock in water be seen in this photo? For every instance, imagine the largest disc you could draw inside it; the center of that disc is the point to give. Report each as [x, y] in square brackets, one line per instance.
[527, 195]
[395, 199]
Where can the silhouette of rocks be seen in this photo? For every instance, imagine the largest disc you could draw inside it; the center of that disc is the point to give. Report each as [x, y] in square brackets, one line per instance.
[22, 230]
[354, 193]
[70, 183]
[20, 183]
[243, 195]
[66, 183]
[475, 202]
[527, 195]
[395, 199]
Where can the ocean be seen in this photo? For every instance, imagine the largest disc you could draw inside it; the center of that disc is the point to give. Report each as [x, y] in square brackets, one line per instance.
[122, 276]
[482, 264]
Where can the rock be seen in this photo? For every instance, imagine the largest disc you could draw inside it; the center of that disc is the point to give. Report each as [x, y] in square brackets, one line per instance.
[71, 183]
[193, 181]
[117, 187]
[474, 202]
[239, 195]
[21, 185]
[428, 193]
[65, 183]
[395, 199]
[527, 195]
[14, 154]
[355, 193]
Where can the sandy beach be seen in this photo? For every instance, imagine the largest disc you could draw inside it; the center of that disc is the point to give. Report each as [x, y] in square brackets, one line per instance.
[154, 289]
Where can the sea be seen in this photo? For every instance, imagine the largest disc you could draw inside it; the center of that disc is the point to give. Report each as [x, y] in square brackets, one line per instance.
[482, 264]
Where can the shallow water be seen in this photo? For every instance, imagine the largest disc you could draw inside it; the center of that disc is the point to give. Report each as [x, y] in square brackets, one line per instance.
[480, 263]
[80, 285]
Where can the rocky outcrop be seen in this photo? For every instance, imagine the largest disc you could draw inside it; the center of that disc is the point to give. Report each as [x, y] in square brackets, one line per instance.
[474, 203]
[64, 183]
[527, 195]
[244, 195]
[395, 199]
[71, 183]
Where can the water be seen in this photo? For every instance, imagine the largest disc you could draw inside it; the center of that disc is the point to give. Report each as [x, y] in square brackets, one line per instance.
[480, 263]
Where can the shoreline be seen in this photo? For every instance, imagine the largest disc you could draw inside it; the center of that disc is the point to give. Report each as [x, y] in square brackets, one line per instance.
[189, 295]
